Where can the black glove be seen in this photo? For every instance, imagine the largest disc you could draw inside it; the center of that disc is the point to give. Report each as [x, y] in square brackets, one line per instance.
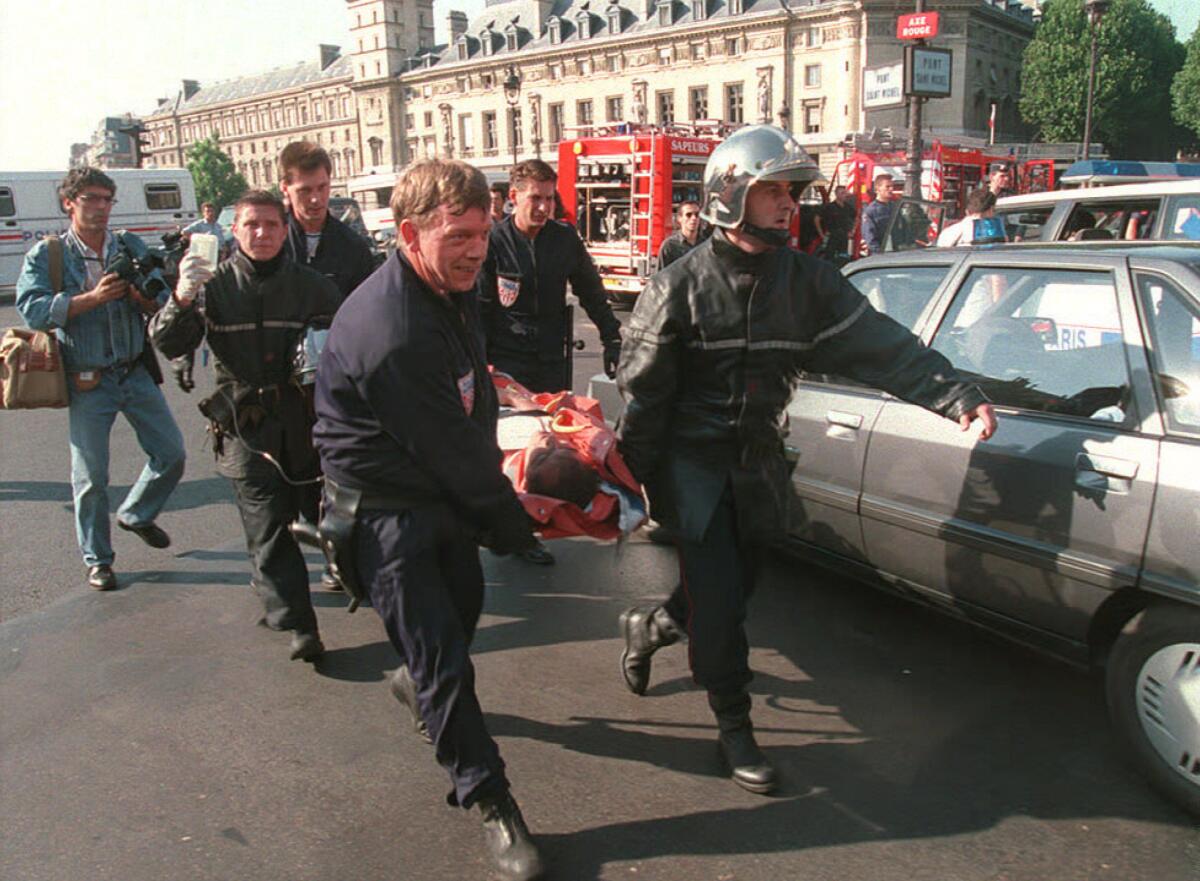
[611, 358]
[182, 368]
[510, 535]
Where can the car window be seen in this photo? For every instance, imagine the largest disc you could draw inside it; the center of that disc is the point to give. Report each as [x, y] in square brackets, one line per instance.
[900, 292]
[1173, 326]
[162, 197]
[1025, 224]
[1047, 340]
[914, 225]
[7, 204]
[1183, 219]
[1092, 221]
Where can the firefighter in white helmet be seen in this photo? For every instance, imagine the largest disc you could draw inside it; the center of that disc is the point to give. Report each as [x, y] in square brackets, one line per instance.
[709, 360]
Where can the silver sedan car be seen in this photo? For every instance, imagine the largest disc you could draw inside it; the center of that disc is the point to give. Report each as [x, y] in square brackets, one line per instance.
[1076, 529]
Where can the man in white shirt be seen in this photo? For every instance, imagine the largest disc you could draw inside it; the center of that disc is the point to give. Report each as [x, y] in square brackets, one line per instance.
[980, 204]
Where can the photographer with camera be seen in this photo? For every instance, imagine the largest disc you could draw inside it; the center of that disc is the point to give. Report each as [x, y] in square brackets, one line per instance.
[254, 310]
[93, 289]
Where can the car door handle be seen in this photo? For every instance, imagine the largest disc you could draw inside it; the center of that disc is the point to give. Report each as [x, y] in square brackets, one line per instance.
[1106, 465]
[845, 420]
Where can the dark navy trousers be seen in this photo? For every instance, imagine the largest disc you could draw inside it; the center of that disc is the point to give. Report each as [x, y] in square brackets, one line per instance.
[716, 577]
[422, 571]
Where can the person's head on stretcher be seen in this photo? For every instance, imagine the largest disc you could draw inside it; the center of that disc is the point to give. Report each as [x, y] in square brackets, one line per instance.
[557, 470]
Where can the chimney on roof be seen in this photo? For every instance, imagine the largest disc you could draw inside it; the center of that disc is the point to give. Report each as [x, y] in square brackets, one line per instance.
[458, 24]
[329, 54]
[190, 87]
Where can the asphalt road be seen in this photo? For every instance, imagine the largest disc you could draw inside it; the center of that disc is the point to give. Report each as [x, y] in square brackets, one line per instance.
[154, 733]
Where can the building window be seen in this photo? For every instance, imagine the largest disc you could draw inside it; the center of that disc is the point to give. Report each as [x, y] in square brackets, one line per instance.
[614, 19]
[346, 105]
[378, 71]
[664, 12]
[428, 119]
[466, 135]
[461, 48]
[734, 6]
[699, 10]
[335, 160]
[696, 51]
[268, 171]
[486, 80]
[485, 41]
[556, 123]
[583, 24]
[489, 130]
[613, 63]
[666, 55]
[349, 155]
[698, 102]
[331, 106]
[665, 102]
[614, 109]
[376, 146]
[555, 34]
[733, 46]
[812, 75]
[585, 67]
[812, 118]
[510, 40]
[410, 121]
[812, 37]
[583, 112]
[555, 71]
[733, 103]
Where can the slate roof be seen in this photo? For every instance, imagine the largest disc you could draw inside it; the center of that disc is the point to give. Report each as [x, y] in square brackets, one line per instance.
[304, 73]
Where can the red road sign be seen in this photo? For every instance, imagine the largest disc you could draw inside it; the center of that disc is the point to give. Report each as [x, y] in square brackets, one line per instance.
[917, 26]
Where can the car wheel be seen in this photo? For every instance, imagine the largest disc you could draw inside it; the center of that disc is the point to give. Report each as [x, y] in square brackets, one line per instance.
[1153, 684]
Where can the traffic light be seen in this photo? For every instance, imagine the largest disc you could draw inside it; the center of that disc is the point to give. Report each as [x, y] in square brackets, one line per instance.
[136, 130]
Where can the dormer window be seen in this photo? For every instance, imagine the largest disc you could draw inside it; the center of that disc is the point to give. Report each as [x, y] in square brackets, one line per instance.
[699, 10]
[555, 28]
[583, 23]
[462, 48]
[664, 12]
[510, 39]
[485, 40]
[734, 6]
[614, 19]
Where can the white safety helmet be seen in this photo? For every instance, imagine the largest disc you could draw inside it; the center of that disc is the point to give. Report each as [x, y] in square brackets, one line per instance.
[749, 155]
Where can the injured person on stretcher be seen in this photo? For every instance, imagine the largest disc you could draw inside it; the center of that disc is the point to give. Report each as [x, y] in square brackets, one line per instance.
[562, 459]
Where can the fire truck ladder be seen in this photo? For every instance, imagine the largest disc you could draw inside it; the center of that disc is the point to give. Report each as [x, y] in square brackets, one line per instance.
[641, 204]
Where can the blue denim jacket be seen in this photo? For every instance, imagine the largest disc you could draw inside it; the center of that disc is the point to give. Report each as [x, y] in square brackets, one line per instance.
[109, 335]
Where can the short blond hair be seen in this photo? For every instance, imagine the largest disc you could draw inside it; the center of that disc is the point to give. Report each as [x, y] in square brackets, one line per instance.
[429, 184]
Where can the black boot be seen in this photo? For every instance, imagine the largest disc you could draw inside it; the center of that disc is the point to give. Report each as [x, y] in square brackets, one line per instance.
[405, 691]
[747, 764]
[507, 838]
[306, 646]
[646, 630]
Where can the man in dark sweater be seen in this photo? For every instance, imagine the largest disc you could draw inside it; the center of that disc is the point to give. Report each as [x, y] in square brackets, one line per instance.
[406, 429]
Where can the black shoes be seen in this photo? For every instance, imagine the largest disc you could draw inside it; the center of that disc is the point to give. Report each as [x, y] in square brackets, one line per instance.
[405, 691]
[747, 765]
[306, 646]
[101, 577]
[150, 533]
[646, 630]
[539, 555]
[507, 838]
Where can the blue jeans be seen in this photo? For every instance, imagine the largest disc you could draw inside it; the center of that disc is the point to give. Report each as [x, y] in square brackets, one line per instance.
[92, 414]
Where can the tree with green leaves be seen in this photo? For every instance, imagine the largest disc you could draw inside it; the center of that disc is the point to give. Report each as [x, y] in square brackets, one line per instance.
[1137, 56]
[213, 172]
[1185, 90]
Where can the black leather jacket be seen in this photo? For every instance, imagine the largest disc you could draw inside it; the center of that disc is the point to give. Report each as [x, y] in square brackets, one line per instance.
[343, 256]
[526, 318]
[253, 319]
[717, 341]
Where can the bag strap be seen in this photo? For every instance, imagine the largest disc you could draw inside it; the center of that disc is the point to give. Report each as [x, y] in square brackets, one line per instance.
[54, 247]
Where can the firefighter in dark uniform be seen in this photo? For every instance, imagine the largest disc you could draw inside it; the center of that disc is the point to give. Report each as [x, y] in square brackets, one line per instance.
[688, 236]
[254, 311]
[406, 429]
[711, 353]
[523, 294]
[315, 237]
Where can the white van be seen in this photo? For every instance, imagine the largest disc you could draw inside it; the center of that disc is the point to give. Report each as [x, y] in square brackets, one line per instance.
[150, 202]
[1131, 212]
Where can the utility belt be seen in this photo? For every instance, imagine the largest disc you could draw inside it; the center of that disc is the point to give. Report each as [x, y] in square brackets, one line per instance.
[335, 532]
[233, 409]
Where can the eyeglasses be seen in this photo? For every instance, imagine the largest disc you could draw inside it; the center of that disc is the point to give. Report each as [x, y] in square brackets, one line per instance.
[93, 199]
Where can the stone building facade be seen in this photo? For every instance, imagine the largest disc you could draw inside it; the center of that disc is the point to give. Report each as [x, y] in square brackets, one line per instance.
[395, 95]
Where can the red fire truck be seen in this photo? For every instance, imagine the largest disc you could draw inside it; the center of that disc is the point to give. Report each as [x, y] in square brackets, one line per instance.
[620, 184]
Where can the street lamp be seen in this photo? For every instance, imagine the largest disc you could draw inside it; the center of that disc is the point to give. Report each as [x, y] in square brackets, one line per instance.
[1095, 11]
[512, 94]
